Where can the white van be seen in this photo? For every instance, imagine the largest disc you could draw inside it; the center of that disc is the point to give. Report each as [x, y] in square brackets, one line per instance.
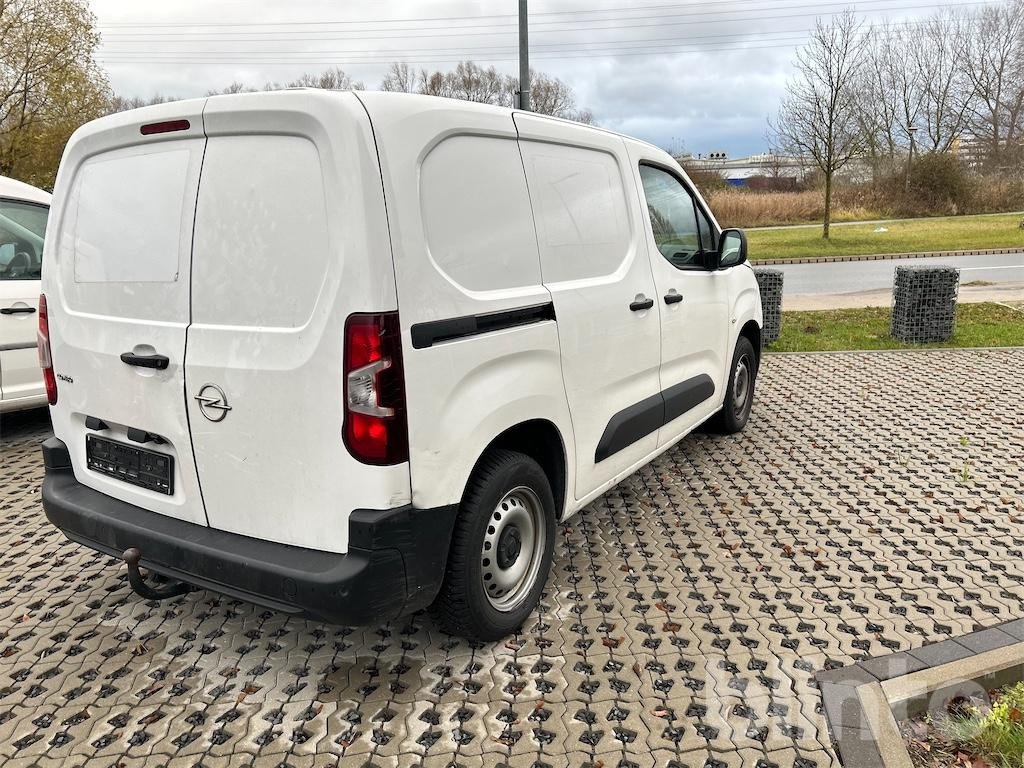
[353, 354]
[23, 212]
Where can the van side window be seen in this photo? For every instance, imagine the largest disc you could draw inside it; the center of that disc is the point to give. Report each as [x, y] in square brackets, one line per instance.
[673, 217]
[708, 242]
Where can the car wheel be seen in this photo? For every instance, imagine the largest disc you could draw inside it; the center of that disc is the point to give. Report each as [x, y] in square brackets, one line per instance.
[501, 549]
[739, 391]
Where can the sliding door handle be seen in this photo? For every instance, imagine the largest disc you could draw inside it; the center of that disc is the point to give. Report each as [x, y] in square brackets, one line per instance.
[673, 298]
[641, 303]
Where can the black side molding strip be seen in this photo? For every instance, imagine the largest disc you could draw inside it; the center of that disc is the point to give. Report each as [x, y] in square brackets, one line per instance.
[629, 425]
[687, 395]
[650, 414]
[427, 334]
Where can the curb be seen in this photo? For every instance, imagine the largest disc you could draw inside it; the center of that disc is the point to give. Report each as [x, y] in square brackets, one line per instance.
[882, 257]
[861, 701]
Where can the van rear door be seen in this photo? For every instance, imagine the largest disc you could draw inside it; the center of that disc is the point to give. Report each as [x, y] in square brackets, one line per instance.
[290, 238]
[117, 287]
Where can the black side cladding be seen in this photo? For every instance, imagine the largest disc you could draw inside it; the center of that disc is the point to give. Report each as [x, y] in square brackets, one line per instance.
[629, 425]
[641, 419]
[687, 395]
[427, 334]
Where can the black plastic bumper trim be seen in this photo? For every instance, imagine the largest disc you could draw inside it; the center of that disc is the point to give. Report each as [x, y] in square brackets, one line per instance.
[394, 564]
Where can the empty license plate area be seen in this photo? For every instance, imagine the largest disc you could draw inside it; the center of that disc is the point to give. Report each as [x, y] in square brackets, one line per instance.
[146, 469]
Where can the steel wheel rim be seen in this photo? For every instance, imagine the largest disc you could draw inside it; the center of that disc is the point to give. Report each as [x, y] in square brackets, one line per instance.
[741, 386]
[513, 549]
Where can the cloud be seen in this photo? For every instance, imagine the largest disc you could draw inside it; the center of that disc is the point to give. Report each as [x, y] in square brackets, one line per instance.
[714, 97]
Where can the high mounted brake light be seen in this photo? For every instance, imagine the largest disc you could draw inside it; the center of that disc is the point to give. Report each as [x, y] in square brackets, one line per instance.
[168, 126]
[376, 430]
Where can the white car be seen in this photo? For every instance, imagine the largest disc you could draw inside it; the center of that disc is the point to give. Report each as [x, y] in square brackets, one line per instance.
[353, 354]
[23, 212]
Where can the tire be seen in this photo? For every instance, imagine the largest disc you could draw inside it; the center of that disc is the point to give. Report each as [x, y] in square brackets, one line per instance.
[739, 390]
[481, 597]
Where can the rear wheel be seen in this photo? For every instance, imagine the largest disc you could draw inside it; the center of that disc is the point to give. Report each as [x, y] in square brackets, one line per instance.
[739, 391]
[501, 549]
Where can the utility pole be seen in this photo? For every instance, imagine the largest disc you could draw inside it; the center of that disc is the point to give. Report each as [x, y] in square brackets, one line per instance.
[524, 58]
[912, 130]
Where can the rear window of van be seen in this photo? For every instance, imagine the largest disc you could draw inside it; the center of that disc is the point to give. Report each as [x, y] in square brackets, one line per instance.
[128, 210]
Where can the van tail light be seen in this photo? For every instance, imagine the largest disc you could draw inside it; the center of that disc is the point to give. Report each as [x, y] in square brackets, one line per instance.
[45, 359]
[376, 431]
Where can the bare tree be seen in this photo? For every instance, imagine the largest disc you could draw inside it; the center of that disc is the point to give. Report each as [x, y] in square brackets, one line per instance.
[877, 94]
[400, 77]
[945, 90]
[551, 96]
[334, 79]
[818, 115]
[993, 57]
[472, 82]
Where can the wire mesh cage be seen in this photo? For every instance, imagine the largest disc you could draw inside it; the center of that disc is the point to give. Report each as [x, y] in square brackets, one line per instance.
[924, 303]
[769, 281]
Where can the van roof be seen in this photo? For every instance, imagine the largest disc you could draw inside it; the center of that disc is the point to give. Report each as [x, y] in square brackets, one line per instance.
[396, 102]
[409, 101]
[12, 189]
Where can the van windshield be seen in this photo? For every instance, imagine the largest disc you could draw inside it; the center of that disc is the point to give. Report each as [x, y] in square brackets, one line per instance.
[22, 226]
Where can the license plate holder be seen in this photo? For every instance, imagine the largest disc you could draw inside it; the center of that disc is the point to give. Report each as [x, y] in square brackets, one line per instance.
[130, 464]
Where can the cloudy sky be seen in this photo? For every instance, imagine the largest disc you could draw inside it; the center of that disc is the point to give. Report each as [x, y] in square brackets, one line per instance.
[703, 75]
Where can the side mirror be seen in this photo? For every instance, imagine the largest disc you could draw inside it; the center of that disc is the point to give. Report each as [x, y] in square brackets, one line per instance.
[732, 248]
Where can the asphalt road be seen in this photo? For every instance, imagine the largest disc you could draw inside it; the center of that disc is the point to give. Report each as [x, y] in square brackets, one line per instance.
[855, 276]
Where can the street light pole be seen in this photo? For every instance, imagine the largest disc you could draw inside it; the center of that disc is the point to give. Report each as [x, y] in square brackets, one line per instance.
[524, 58]
[911, 129]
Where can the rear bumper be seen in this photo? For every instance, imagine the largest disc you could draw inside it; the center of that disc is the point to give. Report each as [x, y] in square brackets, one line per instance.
[394, 564]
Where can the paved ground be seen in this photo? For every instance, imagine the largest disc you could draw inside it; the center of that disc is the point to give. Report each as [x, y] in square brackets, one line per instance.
[851, 276]
[874, 504]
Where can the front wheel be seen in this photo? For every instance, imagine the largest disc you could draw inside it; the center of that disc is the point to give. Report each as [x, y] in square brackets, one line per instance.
[501, 549]
[739, 390]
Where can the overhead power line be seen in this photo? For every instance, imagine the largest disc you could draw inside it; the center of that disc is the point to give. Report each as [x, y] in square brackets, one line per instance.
[333, 61]
[675, 19]
[419, 20]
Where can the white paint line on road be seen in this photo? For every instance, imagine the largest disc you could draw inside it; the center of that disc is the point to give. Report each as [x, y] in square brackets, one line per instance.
[986, 269]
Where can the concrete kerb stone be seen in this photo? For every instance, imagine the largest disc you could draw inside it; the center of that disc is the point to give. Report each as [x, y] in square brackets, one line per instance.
[863, 701]
[883, 257]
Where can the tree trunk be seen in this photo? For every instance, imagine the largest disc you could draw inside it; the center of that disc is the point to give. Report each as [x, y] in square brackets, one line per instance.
[828, 205]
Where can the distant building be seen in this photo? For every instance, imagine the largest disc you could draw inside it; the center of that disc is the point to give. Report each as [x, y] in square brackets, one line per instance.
[737, 172]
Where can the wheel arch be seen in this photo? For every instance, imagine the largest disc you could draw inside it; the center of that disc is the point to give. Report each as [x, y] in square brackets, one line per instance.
[752, 332]
[541, 440]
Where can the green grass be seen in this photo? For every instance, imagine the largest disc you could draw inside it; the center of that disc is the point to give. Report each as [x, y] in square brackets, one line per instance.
[910, 236]
[997, 734]
[977, 325]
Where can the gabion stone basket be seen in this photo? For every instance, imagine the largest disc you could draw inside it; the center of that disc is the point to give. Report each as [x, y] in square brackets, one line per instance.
[924, 303]
[769, 281]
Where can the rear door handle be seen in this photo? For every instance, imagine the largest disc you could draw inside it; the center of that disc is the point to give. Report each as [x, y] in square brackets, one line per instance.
[673, 298]
[641, 304]
[160, 362]
[17, 310]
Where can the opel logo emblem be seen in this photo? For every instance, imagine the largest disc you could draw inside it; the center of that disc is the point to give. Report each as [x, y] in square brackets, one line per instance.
[213, 403]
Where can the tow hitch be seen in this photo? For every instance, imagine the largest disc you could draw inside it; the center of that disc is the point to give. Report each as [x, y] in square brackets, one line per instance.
[138, 582]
